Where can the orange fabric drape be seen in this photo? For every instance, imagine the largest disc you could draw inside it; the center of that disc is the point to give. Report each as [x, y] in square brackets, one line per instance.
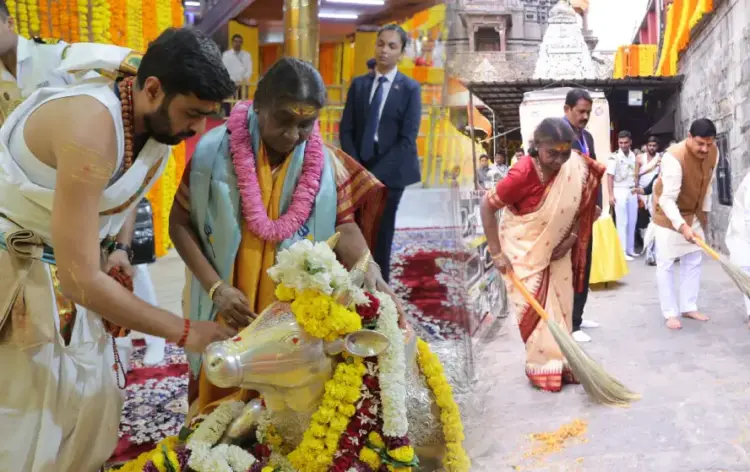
[327, 63]
[269, 54]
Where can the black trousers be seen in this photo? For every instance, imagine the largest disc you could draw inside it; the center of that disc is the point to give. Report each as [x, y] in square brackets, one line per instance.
[386, 230]
[579, 299]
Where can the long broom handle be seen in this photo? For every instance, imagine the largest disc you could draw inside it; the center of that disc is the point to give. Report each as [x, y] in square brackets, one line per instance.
[702, 244]
[529, 297]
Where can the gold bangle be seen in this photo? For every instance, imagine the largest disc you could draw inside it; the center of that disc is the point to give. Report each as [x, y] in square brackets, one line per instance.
[498, 256]
[212, 290]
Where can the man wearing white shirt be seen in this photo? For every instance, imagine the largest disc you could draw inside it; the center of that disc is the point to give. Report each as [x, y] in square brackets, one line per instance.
[238, 62]
[682, 201]
[738, 232]
[621, 180]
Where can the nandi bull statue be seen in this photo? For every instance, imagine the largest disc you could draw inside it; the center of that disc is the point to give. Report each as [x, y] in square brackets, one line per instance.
[342, 387]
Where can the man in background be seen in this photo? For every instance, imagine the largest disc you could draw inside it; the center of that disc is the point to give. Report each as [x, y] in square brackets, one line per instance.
[647, 168]
[516, 157]
[682, 201]
[379, 128]
[483, 177]
[371, 63]
[738, 233]
[578, 103]
[239, 64]
[621, 177]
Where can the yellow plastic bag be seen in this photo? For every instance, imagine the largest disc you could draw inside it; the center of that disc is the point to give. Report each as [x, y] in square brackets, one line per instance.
[608, 259]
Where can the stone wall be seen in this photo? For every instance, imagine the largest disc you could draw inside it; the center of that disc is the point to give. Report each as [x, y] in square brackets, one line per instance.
[716, 67]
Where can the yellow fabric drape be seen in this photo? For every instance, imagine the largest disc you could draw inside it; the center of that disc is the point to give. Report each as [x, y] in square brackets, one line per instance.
[256, 256]
[607, 256]
[327, 63]
[663, 69]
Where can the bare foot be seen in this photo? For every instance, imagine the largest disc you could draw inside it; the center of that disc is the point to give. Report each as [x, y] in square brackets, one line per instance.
[673, 323]
[694, 315]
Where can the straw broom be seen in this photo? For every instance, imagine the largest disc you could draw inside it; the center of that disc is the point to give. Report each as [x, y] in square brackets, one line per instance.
[600, 386]
[738, 276]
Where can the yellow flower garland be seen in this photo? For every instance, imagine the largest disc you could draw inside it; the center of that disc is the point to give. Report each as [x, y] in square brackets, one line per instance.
[34, 23]
[456, 459]
[321, 440]
[23, 18]
[100, 21]
[319, 314]
[154, 455]
[82, 14]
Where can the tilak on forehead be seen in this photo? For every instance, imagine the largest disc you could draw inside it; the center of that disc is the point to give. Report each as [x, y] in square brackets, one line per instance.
[302, 110]
[561, 147]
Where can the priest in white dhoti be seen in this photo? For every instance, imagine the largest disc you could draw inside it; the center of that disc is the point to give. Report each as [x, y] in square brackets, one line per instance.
[74, 163]
[621, 177]
[738, 232]
[682, 201]
[27, 65]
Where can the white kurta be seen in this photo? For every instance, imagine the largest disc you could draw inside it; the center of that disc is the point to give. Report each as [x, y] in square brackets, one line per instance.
[669, 243]
[738, 232]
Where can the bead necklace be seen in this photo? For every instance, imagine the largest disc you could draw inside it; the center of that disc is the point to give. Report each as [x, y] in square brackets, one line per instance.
[126, 97]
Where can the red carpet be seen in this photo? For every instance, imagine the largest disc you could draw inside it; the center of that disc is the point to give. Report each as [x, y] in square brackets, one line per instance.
[427, 274]
[156, 403]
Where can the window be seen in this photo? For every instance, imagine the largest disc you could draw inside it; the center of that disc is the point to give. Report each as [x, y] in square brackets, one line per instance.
[723, 170]
[487, 39]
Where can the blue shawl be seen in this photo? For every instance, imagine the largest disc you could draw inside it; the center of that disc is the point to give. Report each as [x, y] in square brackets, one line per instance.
[216, 213]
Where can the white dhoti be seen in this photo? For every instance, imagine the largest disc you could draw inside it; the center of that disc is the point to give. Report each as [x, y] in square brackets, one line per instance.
[59, 404]
[671, 247]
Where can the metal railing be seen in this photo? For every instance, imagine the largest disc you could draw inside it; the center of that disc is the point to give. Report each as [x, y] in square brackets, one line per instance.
[438, 148]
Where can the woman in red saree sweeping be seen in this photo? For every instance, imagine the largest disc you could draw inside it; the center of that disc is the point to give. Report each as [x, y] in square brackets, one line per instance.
[548, 201]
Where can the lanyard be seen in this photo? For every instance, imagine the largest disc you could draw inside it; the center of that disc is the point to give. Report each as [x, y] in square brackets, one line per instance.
[581, 140]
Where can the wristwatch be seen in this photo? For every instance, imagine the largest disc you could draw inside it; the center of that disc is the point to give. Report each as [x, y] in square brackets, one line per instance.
[124, 247]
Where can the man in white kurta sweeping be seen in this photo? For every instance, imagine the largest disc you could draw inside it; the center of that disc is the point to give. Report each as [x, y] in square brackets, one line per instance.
[738, 233]
[74, 163]
[682, 200]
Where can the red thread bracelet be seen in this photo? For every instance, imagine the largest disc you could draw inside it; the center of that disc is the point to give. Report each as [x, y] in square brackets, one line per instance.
[185, 333]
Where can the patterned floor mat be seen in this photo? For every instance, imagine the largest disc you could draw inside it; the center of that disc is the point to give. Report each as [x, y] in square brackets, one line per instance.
[156, 402]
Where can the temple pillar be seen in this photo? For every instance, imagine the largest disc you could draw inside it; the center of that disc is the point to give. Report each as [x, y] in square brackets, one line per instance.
[301, 30]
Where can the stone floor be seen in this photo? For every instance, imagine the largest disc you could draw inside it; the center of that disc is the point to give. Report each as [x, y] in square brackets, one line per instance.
[695, 411]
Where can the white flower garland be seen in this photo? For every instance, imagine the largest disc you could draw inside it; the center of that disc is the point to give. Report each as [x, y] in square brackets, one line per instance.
[392, 366]
[204, 456]
[313, 266]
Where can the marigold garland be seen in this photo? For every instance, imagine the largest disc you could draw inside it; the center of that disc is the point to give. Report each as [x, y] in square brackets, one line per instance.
[134, 9]
[34, 23]
[12, 8]
[118, 22]
[22, 19]
[163, 14]
[45, 30]
[100, 21]
[149, 21]
[456, 459]
[321, 440]
[320, 316]
[54, 20]
[82, 15]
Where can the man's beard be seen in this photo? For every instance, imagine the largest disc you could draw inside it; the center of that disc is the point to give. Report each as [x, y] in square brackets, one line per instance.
[159, 127]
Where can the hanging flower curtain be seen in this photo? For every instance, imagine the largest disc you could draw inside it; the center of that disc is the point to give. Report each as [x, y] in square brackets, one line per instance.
[682, 17]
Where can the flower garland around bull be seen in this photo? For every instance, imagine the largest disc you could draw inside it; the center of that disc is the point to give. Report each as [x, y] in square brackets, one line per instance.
[361, 422]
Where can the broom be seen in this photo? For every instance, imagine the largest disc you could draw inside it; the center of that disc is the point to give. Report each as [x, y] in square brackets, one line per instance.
[738, 276]
[600, 386]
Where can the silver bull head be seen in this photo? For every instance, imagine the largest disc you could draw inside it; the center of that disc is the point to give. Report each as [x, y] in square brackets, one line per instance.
[276, 357]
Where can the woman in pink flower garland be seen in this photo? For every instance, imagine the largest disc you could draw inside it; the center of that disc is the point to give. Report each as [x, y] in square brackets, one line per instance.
[257, 185]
